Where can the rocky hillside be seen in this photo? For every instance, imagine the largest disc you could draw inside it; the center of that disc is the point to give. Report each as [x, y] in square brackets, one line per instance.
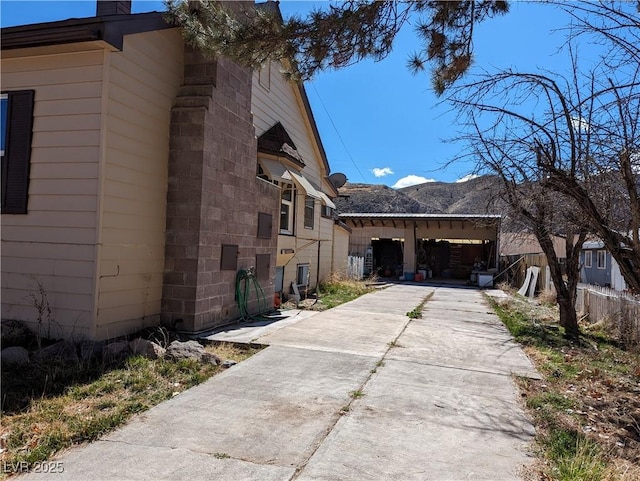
[471, 197]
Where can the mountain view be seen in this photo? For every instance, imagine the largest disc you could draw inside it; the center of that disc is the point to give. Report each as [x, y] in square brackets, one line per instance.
[474, 196]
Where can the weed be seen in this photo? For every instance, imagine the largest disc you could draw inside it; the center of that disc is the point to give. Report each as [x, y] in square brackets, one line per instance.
[576, 457]
[40, 301]
[547, 297]
[337, 291]
[221, 455]
[550, 400]
[394, 343]
[356, 394]
[416, 312]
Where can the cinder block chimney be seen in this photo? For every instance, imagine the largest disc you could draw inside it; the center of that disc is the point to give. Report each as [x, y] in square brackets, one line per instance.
[113, 7]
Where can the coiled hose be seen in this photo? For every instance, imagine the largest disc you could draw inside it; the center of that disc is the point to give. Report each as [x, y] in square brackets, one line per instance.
[245, 281]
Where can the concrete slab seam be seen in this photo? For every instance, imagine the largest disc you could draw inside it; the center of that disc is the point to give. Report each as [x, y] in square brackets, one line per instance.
[301, 466]
[214, 454]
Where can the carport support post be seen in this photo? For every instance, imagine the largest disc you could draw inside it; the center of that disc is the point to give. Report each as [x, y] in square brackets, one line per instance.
[410, 249]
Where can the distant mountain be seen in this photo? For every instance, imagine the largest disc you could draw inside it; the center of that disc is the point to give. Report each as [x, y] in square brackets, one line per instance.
[472, 197]
[375, 198]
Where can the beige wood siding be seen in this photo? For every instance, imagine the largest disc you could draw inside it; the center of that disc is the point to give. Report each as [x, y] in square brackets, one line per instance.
[143, 81]
[340, 249]
[280, 101]
[54, 243]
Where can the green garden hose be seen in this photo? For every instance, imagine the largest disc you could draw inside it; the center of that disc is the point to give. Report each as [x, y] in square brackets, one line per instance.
[245, 280]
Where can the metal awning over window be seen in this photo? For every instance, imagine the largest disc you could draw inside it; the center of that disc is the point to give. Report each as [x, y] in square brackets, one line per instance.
[279, 171]
[305, 184]
[275, 170]
[327, 201]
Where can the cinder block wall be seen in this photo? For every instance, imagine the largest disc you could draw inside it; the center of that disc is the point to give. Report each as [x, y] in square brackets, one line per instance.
[214, 197]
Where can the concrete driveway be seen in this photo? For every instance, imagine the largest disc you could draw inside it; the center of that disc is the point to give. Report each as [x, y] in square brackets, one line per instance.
[359, 392]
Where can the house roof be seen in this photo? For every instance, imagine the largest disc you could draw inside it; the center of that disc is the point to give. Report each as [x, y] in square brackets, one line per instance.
[110, 28]
[276, 141]
[593, 245]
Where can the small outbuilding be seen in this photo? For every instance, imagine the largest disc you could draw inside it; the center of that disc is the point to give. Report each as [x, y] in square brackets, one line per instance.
[452, 246]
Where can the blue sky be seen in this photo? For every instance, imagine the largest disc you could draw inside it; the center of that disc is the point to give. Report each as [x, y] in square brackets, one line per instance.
[379, 123]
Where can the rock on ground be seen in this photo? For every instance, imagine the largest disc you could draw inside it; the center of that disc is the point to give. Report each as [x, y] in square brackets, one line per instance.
[190, 350]
[116, 350]
[148, 349]
[61, 351]
[90, 350]
[15, 356]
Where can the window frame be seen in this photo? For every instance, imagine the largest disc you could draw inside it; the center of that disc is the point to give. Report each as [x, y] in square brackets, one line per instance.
[3, 126]
[290, 203]
[326, 212]
[16, 158]
[588, 259]
[264, 75]
[309, 212]
[601, 254]
[302, 274]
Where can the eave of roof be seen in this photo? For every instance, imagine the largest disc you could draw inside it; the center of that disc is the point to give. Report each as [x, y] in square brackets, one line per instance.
[400, 216]
[110, 29]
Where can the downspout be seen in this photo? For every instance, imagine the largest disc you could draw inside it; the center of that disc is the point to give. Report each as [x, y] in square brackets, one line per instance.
[318, 269]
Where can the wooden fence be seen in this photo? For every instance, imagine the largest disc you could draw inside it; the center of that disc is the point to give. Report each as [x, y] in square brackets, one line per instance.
[516, 275]
[621, 309]
[355, 267]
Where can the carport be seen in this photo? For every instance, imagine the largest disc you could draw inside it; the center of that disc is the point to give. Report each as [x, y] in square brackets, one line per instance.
[455, 246]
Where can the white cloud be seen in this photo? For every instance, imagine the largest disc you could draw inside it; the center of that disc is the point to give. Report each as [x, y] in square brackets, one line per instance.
[580, 124]
[410, 180]
[466, 178]
[381, 172]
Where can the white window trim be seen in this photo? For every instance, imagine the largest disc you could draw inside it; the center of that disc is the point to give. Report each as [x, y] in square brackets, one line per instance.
[604, 259]
[291, 204]
[588, 259]
[306, 270]
[308, 198]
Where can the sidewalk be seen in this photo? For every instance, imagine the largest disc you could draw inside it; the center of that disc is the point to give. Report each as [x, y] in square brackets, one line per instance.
[359, 392]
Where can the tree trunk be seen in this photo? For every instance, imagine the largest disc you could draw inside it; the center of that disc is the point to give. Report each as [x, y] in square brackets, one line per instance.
[568, 316]
[565, 291]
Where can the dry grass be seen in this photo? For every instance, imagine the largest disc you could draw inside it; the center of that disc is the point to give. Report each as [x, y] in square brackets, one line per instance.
[587, 407]
[83, 411]
[332, 292]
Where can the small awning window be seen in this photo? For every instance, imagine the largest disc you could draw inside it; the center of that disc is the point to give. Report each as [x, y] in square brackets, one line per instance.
[275, 170]
[326, 200]
[305, 184]
[278, 171]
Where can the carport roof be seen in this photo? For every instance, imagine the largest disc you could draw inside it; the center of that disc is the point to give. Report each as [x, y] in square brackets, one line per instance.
[393, 215]
[381, 218]
[445, 226]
